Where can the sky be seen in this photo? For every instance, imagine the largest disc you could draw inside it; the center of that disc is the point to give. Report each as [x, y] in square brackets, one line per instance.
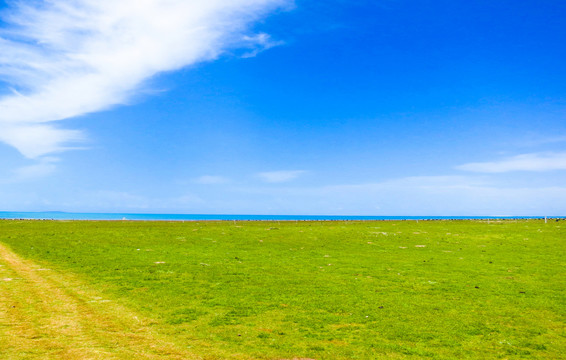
[382, 107]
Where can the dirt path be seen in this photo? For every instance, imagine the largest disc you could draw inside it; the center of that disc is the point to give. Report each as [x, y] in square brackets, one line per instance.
[50, 315]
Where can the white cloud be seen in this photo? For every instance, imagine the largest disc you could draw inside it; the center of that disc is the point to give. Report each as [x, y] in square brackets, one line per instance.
[112, 199]
[44, 167]
[211, 179]
[526, 162]
[280, 176]
[35, 140]
[259, 43]
[421, 195]
[67, 58]
[537, 140]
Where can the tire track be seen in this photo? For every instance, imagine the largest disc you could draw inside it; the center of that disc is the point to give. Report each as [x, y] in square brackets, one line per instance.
[50, 315]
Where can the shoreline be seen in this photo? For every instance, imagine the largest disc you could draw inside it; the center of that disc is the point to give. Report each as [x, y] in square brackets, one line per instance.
[553, 218]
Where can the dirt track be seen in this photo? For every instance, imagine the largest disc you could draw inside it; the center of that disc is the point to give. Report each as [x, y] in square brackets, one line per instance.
[49, 315]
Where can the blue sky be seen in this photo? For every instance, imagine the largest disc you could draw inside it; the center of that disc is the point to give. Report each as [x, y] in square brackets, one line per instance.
[402, 107]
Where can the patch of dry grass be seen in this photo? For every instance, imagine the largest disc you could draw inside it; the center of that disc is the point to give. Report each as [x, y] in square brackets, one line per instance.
[48, 315]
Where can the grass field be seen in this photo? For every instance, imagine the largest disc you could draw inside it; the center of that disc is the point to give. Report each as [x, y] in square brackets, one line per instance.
[268, 290]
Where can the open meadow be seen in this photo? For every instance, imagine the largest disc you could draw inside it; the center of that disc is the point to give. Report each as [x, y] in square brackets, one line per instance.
[283, 290]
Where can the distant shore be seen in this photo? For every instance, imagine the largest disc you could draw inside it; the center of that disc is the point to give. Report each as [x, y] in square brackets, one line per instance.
[68, 216]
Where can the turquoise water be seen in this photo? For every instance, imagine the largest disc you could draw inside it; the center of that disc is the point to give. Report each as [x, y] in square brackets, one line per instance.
[56, 215]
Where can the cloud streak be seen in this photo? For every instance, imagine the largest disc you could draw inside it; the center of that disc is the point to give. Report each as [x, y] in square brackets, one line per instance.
[63, 59]
[211, 180]
[280, 176]
[31, 172]
[525, 162]
[418, 196]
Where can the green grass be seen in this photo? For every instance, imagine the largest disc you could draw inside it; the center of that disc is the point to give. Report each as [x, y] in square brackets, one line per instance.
[326, 290]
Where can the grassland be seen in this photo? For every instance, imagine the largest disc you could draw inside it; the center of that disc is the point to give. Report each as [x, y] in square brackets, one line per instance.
[268, 290]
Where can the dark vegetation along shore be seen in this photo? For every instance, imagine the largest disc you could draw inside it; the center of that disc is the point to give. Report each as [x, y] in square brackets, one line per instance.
[281, 290]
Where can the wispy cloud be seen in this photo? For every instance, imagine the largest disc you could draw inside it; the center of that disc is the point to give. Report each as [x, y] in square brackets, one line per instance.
[546, 140]
[211, 179]
[35, 140]
[419, 195]
[280, 176]
[67, 58]
[42, 168]
[525, 162]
